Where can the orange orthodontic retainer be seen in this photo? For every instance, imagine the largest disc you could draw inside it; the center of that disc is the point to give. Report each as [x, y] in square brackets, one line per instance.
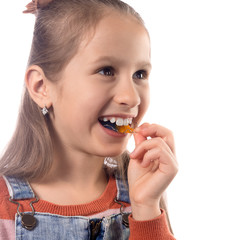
[125, 129]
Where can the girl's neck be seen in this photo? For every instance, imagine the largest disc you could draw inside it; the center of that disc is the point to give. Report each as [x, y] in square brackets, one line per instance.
[74, 178]
[76, 167]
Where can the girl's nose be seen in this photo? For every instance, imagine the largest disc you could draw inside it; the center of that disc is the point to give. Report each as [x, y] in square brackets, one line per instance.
[127, 94]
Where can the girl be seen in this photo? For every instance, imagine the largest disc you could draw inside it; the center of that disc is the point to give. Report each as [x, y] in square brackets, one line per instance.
[66, 173]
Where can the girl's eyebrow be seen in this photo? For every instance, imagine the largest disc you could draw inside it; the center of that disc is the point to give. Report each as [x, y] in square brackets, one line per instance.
[145, 64]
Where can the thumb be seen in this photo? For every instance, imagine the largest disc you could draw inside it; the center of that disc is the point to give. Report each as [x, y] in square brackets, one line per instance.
[138, 138]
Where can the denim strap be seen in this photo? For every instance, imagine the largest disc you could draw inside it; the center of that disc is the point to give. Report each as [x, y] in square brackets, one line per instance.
[19, 188]
[122, 189]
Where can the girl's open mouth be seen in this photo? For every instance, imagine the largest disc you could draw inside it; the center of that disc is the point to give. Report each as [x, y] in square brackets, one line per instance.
[119, 125]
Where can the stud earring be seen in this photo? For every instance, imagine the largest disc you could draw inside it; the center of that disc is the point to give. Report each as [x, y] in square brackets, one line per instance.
[44, 110]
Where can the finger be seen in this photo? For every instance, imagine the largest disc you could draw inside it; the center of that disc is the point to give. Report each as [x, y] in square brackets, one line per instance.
[162, 156]
[147, 145]
[143, 125]
[154, 130]
[162, 160]
[150, 156]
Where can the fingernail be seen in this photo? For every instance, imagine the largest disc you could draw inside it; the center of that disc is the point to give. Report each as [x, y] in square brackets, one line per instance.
[136, 130]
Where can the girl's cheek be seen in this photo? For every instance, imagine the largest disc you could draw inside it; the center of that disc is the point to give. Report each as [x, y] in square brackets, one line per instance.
[145, 101]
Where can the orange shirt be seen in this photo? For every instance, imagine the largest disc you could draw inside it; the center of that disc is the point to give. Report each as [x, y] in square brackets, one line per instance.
[155, 229]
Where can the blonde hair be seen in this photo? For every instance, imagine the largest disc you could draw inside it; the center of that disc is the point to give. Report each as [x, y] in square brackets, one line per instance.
[59, 28]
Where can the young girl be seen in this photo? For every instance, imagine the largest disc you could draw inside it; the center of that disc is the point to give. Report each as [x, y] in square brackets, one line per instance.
[66, 173]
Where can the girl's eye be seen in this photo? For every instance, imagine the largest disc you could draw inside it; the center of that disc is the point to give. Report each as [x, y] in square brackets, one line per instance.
[107, 71]
[141, 74]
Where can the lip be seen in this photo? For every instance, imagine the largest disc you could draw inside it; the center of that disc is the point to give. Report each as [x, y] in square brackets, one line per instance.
[111, 132]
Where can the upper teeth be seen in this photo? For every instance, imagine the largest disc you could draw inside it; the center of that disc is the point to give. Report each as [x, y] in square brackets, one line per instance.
[119, 121]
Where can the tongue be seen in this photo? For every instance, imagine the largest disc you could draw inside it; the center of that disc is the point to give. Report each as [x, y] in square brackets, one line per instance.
[109, 125]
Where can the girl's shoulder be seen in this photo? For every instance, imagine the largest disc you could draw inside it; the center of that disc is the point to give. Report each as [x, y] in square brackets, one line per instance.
[3, 188]
[7, 209]
[7, 213]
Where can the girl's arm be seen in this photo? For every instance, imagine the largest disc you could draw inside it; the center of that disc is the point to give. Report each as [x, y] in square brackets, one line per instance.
[152, 167]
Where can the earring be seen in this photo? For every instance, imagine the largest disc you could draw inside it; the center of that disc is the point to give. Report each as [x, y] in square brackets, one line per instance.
[44, 110]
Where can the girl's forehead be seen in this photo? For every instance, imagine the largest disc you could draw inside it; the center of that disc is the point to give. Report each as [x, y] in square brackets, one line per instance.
[113, 23]
[117, 33]
[118, 23]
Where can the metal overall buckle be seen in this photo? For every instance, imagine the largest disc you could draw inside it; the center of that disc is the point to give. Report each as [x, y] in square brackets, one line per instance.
[125, 215]
[28, 221]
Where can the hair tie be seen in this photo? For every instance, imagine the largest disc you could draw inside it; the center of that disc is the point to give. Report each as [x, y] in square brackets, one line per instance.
[35, 4]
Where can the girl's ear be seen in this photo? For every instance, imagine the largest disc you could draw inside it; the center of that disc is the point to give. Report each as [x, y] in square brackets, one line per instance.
[38, 86]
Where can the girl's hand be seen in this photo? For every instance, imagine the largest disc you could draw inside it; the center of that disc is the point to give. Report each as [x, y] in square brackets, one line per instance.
[152, 167]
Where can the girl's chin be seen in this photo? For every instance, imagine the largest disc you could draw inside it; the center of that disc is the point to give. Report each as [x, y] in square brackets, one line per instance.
[112, 151]
[110, 146]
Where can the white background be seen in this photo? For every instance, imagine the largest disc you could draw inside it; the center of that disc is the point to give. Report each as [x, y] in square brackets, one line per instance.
[195, 93]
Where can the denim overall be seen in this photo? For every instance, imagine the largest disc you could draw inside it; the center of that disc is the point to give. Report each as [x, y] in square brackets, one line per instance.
[57, 227]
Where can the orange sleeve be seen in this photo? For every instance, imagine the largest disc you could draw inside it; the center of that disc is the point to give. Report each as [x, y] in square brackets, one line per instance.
[154, 229]
[7, 209]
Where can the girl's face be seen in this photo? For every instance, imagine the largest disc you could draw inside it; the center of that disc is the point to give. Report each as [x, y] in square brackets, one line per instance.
[108, 77]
